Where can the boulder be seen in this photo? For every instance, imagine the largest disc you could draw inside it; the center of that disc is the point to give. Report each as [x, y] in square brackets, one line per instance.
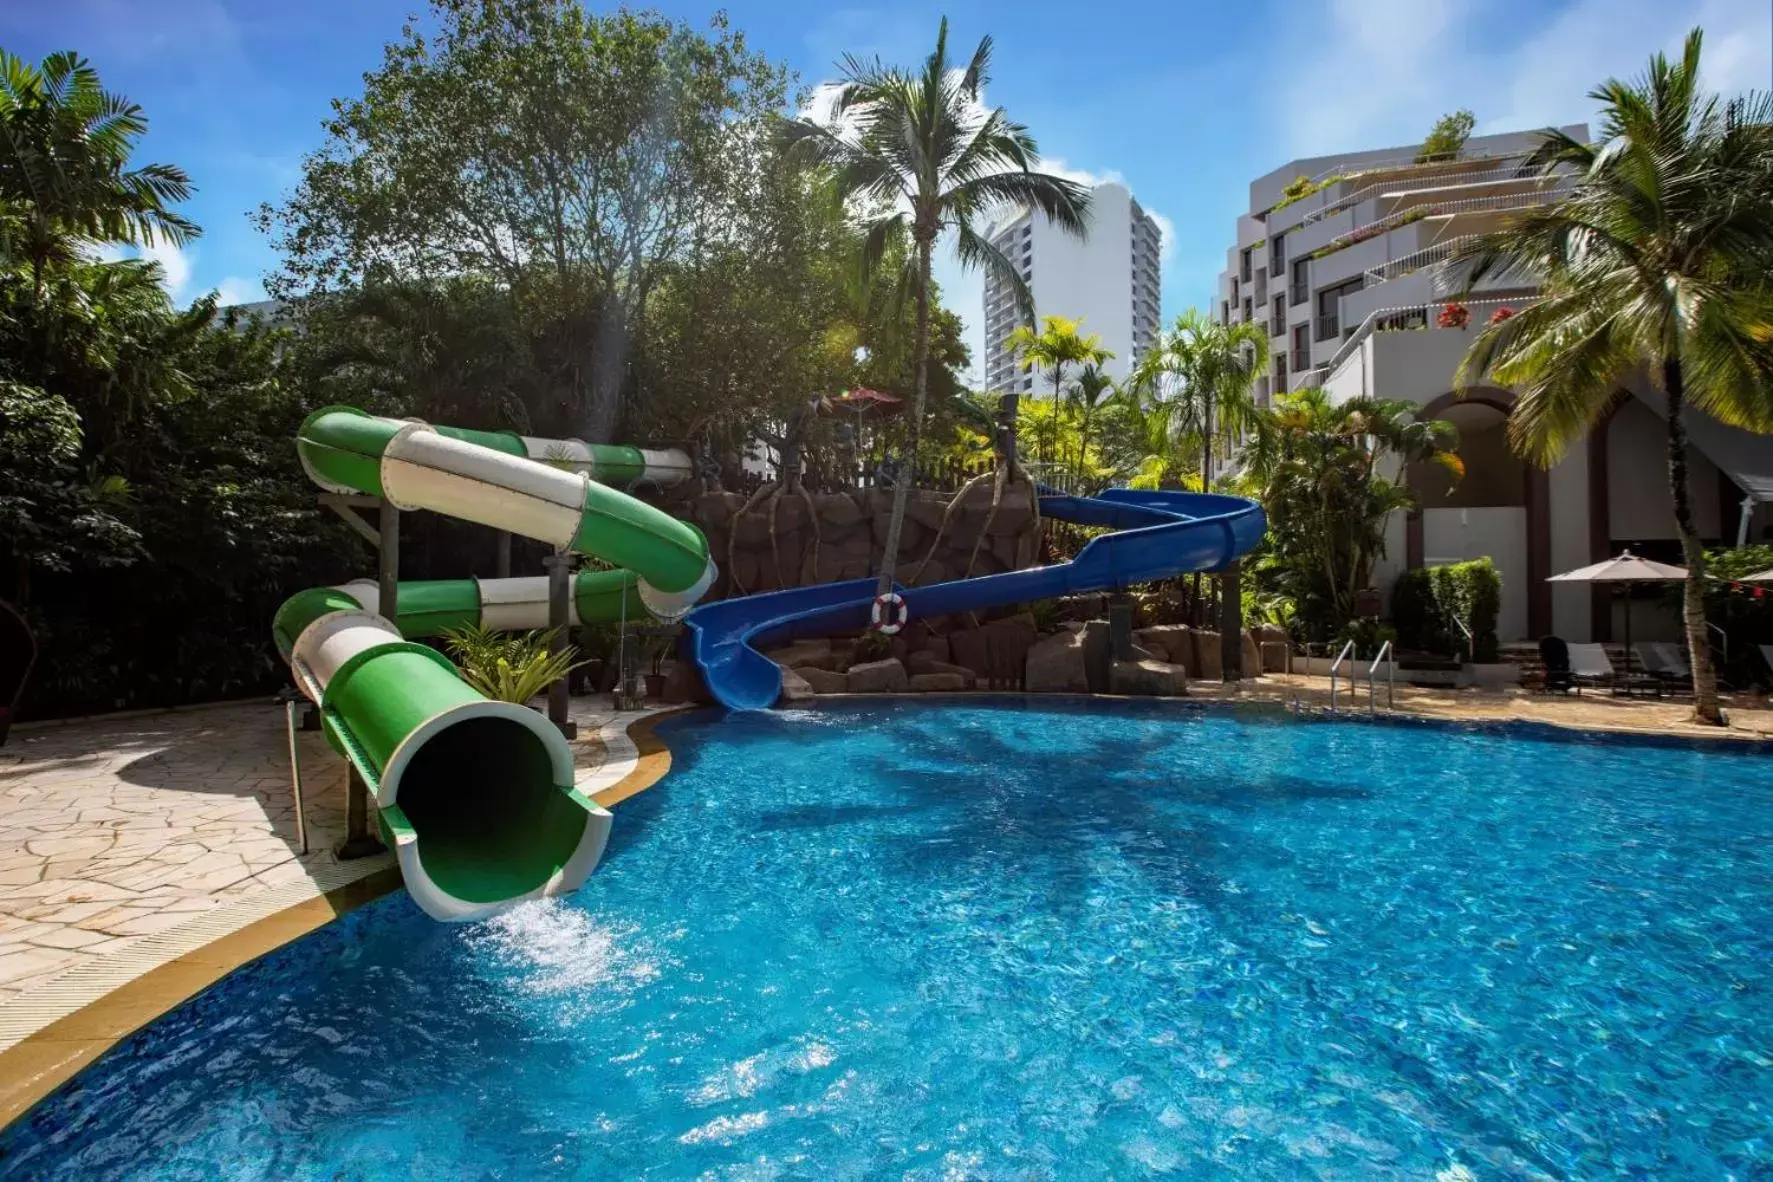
[1252, 655]
[838, 509]
[968, 649]
[795, 687]
[1171, 642]
[823, 681]
[1268, 640]
[683, 684]
[919, 638]
[1209, 663]
[1147, 678]
[921, 664]
[1058, 664]
[878, 677]
[816, 653]
[714, 509]
[939, 683]
[927, 511]
[751, 531]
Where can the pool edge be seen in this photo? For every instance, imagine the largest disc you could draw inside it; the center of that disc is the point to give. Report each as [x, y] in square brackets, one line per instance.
[49, 1057]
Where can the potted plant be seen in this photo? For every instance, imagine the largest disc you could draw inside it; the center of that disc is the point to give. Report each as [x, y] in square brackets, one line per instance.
[1453, 315]
[658, 649]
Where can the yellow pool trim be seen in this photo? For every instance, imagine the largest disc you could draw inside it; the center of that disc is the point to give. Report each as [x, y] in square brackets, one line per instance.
[44, 1060]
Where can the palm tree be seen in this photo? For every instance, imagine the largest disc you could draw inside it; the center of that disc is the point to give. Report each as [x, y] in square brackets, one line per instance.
[1195, 384]
[1659, 256]
[65, 178]
[1092, 390]
[1320, 470]
[1059, 343]
[920, 151]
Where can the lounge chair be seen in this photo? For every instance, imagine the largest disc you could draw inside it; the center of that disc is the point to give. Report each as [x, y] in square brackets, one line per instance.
[1767, 657]
[1589, 666]
[1665, 661]
[1555, 652]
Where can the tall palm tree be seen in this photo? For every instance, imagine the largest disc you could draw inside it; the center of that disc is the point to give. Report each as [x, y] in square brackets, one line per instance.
[921, 152]
[1658, 256]
[1196, 381]
[65, 179]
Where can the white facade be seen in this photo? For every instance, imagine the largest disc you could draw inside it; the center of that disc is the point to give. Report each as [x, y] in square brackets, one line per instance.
[1110, 280]
[1353, 285]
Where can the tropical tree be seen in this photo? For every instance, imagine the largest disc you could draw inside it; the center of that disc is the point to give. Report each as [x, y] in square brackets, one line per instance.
[1059, 343]
[1195, 385]
[1091, 392]
[1329, 476]
[1659, 255]
[920, 153]
[65, 180]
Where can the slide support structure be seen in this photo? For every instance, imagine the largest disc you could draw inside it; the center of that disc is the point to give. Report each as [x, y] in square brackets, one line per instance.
[475, 797]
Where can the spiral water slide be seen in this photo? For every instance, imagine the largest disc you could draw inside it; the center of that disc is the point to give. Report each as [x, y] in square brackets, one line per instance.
[1158, 535]
[476, 797]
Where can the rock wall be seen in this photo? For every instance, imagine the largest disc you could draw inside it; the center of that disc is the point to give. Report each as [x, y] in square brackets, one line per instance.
[794, 539]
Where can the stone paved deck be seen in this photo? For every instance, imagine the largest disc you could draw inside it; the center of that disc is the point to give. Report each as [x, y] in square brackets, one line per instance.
[118, 834]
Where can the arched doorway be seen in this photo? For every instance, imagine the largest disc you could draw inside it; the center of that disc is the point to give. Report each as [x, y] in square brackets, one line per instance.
[1497, 511]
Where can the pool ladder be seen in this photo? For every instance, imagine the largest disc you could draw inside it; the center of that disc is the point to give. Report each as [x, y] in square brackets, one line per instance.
[1347, 656]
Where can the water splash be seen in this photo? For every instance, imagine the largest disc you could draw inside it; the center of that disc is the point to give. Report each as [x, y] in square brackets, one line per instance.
[550, 947]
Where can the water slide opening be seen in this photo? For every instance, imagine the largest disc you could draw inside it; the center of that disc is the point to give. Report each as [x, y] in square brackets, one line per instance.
[491, 823]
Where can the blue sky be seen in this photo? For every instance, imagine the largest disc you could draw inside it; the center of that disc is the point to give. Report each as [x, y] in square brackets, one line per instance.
[1184, 100]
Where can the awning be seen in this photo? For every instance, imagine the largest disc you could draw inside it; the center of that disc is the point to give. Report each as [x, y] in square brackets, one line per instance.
[1746, 458]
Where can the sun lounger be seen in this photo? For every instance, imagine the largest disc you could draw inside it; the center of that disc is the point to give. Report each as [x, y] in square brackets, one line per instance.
[1555, 652]
[1589, 666]
[1664, 660]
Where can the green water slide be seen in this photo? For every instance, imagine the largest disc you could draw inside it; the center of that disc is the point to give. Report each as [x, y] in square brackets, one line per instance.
[476, 797]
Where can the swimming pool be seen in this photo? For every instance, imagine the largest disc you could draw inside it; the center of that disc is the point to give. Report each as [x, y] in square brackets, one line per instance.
[1050, 939]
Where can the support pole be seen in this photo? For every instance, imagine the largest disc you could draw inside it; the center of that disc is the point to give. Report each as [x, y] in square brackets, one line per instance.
[560, 566]
[359, 841]
[1120, 626]
[503, 567]
[1231, 621]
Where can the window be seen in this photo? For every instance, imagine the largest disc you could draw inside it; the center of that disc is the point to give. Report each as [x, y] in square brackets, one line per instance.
[1277, 321]
[1302, 346]
[1301, 280]
[1246, 267]
[1224, 311]
[1280, 373]
[1277, 254]
[1249, 310]
[1234, 290]
[1329, 308]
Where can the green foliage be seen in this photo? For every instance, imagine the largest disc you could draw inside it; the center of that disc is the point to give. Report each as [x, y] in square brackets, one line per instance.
[1303, 187]
[1193, 389]
[1319, 470]
[1429, 603]
[873, 646]
[1369, 637]
[509, 666]
[1446, 139]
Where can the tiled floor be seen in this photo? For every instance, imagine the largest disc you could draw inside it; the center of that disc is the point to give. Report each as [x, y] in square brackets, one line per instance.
[113, 830]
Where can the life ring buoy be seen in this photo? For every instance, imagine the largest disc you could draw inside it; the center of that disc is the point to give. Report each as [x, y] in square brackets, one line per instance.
[889, 613]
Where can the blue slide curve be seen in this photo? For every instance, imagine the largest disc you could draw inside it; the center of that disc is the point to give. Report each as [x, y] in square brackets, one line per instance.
[1160, 535]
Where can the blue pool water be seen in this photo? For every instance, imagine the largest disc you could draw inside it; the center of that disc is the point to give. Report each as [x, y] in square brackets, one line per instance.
[1008, 940]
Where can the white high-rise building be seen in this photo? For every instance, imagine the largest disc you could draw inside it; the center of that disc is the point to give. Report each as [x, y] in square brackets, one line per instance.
[1109, 280]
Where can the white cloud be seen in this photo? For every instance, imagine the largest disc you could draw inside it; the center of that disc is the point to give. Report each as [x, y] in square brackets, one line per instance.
[175, 266]
[237, 290]
[1376, 79]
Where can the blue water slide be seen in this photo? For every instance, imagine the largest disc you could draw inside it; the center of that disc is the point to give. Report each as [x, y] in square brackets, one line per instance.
[1158, 535]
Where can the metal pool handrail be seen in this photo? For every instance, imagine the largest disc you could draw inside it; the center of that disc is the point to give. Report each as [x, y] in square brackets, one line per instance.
[1345, 654]
[1390, 680]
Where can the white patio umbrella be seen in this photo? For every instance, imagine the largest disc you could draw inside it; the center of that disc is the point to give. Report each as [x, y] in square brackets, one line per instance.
[1761, 576]
[1627, 568]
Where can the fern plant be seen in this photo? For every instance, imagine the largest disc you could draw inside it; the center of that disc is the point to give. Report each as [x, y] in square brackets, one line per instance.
[509, 666]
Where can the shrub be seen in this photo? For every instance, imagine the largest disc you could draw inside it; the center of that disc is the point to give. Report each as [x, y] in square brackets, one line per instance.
[1501, 314]
[1446, 139]
[1429, 603]
[508, 666]
[873, 646]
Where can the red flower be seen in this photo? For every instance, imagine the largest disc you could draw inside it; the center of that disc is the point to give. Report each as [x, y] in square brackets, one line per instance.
[1501, 314]
[1454, 315]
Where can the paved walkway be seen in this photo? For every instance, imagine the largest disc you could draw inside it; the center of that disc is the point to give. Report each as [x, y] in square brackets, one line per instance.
[126, 842]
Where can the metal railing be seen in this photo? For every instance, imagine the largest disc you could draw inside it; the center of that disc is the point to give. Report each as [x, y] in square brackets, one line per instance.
[1390, 680]
[1345, 655]
[1366, 192]
[1470, 640]
[1410, 163]
[1403, 316]
[1416, 260]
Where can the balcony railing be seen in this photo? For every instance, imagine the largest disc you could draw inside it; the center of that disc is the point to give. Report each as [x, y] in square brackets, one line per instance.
[1409, 264]
[1409, 164]
[1379, 188]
